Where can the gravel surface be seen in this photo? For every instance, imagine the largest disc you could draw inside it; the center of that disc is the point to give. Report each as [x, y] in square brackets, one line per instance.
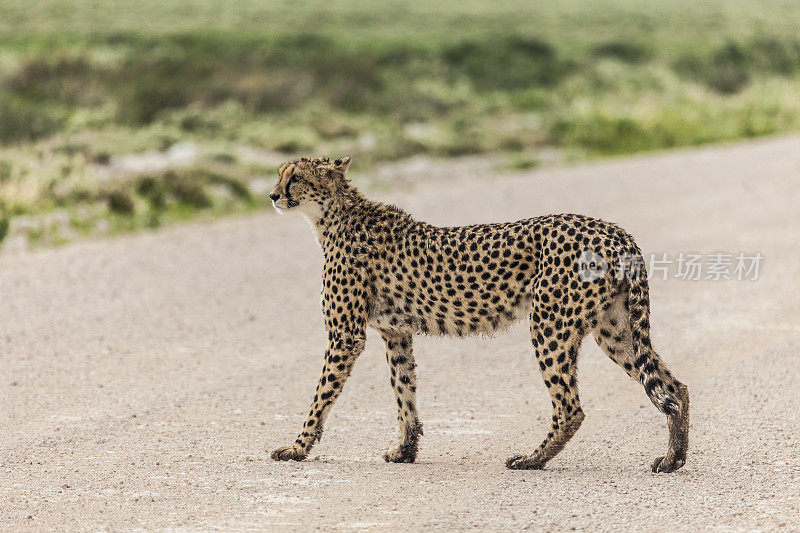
[144, 379]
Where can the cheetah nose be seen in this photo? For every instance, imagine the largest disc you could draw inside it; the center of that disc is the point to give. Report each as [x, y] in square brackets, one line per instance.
[274, 197]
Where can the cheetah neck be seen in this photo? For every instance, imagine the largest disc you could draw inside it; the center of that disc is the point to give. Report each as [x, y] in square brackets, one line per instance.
[328, 218]
[315, 214]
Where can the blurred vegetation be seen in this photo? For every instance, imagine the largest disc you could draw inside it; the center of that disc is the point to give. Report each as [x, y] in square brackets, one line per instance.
[84, 83]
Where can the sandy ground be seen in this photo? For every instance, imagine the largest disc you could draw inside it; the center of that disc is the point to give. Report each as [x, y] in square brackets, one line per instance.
[143, 380]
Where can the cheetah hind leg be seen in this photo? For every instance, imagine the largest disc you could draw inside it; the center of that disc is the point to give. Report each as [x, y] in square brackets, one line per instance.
[558, 365]
[678, 436]
[613, 334]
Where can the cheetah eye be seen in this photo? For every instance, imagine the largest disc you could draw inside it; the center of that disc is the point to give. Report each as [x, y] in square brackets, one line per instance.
[292, 179]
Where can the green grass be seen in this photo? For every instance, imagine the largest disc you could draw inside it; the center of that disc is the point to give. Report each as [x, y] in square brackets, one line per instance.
[83, 82]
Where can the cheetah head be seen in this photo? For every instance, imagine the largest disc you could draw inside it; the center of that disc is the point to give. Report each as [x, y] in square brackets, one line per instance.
[308, 185]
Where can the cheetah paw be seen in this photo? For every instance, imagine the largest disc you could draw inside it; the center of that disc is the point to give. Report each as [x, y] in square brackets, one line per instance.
[289, 453]
[662, 465]
[399, 455]
[524, 462]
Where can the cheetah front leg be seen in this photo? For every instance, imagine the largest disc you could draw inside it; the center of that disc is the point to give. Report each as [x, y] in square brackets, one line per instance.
[339, 360]
[400, 356]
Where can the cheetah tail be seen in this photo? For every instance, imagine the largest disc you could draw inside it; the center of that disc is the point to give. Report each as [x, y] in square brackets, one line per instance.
[646, 360]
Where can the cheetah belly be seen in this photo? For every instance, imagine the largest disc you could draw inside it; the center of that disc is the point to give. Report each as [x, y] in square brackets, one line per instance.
[429, 313]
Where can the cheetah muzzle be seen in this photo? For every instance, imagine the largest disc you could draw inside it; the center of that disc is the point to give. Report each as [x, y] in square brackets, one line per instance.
[571, 276]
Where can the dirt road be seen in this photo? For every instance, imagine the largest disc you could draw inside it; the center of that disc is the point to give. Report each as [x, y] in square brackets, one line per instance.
[143, 380]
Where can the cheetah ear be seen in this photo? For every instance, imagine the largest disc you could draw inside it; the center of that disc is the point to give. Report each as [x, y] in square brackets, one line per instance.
[342, 164]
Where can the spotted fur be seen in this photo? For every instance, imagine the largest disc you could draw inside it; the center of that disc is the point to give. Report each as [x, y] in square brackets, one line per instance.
[384, 269]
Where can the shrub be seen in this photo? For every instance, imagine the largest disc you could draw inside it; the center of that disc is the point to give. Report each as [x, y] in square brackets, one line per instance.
[510, 63]
[603, 134]
[624, 51]
[5, 224]
[186, 190]
[729, 68]
[21, 121]
[773, 55]
[152, 190]
[119, 202]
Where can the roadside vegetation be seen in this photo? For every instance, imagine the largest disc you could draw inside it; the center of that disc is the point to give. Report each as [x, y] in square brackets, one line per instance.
[210, 95]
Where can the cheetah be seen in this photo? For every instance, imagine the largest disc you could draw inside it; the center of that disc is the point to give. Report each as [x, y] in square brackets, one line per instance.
[400, 276]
